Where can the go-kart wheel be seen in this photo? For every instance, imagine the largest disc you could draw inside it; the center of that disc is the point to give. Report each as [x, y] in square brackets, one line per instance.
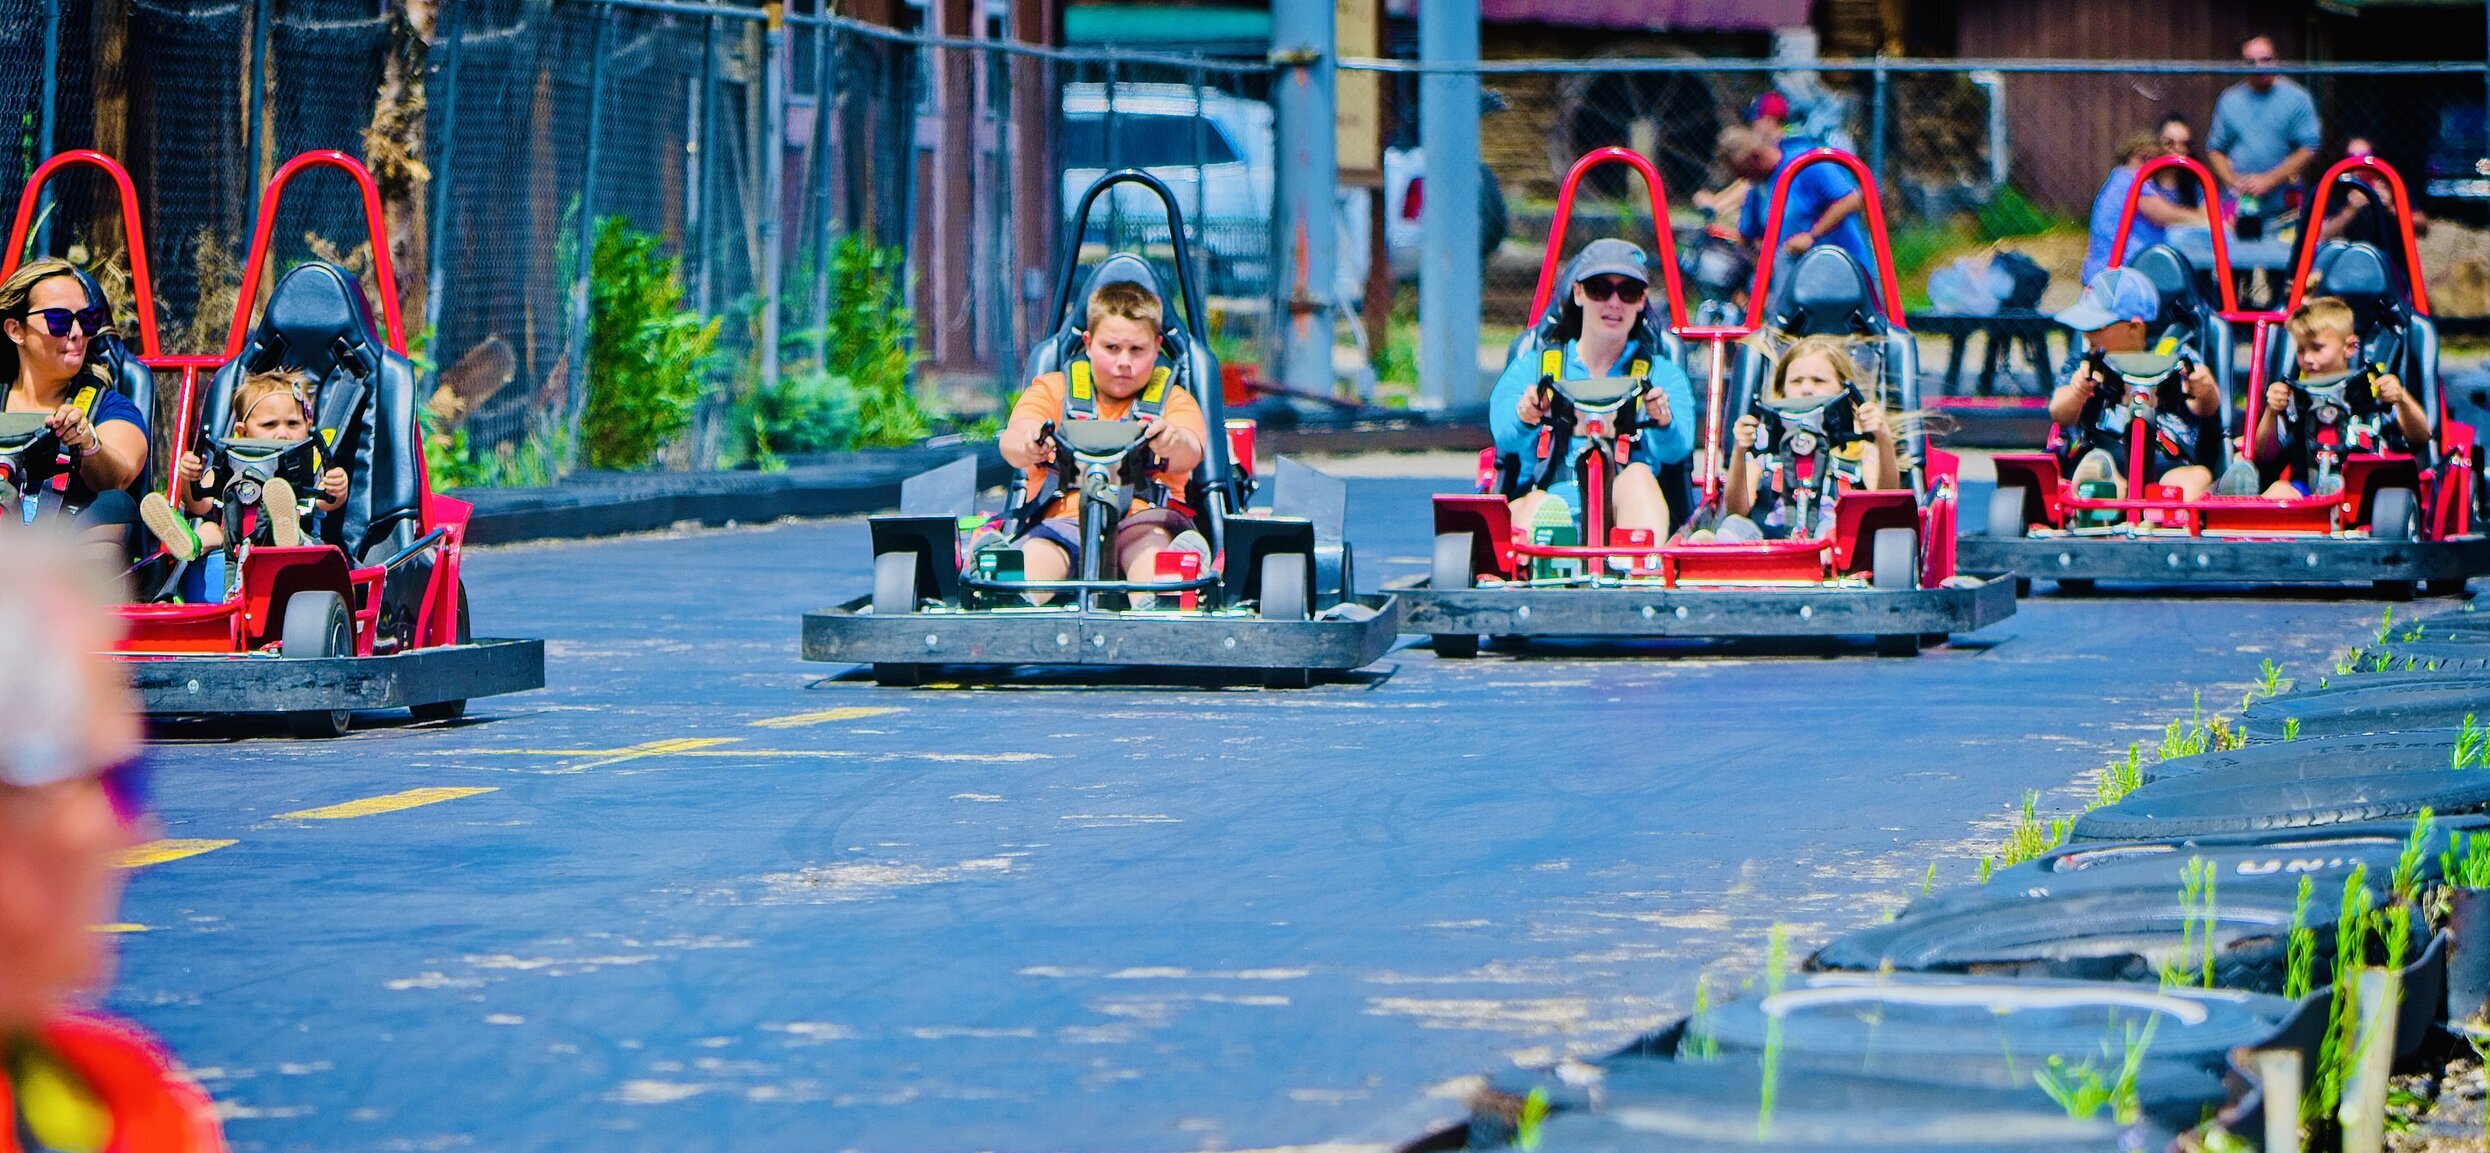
[1898, 645]
[316, 627]
[1348, 575]
[894, 584]
[2006, 512]
[1452, 562]
[898, 676]
[1456, 646]
[2075, 586]
[1285, 576]
[1288, 678]
[2392, 514]
[1896, 562]
[2395, 590]
[450, 710]
[2449, 587]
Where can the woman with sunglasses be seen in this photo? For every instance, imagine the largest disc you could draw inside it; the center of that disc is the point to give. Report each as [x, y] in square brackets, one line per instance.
[71, 1078]
[50, 323]
[1598, 331]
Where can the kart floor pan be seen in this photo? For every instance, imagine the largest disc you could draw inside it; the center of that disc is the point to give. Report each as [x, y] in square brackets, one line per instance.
[2209, 560]
[171, 686]
[851, 634]
[1653, 611]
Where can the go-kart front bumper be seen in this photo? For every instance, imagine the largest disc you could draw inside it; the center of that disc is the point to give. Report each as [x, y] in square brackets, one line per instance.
[257, 683]
[1716, 611]
[1355, 634]
[2176, 559]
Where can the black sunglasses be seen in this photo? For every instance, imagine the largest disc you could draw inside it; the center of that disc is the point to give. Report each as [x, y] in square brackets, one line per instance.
[1601, 288]
[58, 321]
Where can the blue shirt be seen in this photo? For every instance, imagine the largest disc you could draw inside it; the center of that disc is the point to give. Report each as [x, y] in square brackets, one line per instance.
[2105, 209]
[2258, 130]
[1654, 446]
[1814, 190]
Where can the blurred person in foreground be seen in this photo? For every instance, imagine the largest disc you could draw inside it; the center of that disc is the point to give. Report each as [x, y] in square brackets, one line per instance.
[72, 1080]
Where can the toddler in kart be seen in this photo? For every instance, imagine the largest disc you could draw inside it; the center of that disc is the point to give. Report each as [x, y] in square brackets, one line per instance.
[2113, 315]
[1118, 376]
[1815, 366]
[2323, 344]
[267, 406]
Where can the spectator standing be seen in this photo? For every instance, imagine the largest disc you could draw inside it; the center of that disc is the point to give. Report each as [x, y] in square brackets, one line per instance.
[2264, 137]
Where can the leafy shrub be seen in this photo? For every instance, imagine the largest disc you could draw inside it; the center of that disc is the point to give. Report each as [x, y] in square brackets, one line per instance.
[859, 396]
[647, 352]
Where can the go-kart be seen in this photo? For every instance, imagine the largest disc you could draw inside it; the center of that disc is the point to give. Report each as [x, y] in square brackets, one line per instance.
[373, 615]
[1276, 596]
[29, 456]
[1880, 565]
[2372, 515]
[242, 468]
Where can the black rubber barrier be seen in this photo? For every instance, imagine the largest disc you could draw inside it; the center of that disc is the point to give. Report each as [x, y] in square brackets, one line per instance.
[607, 504]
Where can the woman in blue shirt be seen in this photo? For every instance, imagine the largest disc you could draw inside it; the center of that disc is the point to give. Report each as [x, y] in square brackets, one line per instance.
[1600, 333]
[2156, 212]
[50, 322]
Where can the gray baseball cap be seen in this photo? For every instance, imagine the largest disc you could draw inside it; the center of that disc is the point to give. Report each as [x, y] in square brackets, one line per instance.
[2114, 295]
[1609, 257]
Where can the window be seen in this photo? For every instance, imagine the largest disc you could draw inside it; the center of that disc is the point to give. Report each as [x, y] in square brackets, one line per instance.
[1143, 140]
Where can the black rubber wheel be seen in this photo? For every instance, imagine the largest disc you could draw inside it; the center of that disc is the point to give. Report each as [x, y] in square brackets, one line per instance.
[1898, 645]
[1895, 565]
[894, 583]
[2453, 654]
[2006, 512]
[2314, 758]
[2101, 935]
[2022, 587]
[2447, 587]
[2371, 703]
[316, 627]
[1285, 576]
[1939, 1019]
[898, 675]
[2075, 586]
[2393, 515]
[2325, 855]
[1456, 646]
[1347, 591]
[2294, 795]
[1288, 678]
[2396, 590]
[1451, 570]
[450, 710]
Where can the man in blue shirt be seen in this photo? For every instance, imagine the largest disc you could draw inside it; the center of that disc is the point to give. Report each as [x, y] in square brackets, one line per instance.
[1823, 204]
[2265, 135]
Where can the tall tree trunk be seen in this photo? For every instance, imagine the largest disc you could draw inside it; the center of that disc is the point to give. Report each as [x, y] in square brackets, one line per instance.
[393, 147]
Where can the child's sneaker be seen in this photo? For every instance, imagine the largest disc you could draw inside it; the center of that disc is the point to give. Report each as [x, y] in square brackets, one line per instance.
[170, 526]
[1192, 542]
[1553, 514]
[2095, 467]
[285, 517]
[1737, 530]
[2240, 479]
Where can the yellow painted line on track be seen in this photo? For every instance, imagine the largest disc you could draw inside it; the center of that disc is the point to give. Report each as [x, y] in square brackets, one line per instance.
[756, 754]
[603, 757]
[123, 927]
[390, 803]
[851, 713]
[158, 852]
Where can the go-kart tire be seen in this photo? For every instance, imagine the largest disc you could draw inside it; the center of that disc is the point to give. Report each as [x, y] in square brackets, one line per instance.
[1288, 678]
[897, 675]
[2395, 590]
[2371, 703]
[2393, 513]
[1348, 574]
[1985, 1022]
[2315, 758]
[2324, 855]
[894, 584]
[1898, 645]
[1894, 565]
[2447, 587]
[2468, 654]
[1456, 646]
[315, 627]
[450, 710]
[1451, 570]
[2099, 935]
[2006, 513]
[2297, 795]
[2076, 586]
[1285, 576]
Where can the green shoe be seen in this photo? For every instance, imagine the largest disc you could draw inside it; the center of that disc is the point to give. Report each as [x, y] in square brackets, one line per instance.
[171, 527]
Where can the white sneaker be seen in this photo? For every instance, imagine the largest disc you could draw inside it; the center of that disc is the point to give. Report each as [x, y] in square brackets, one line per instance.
[1737, 530]
[2240, 479]
[170, 526]
[2096, 465]
[285, 517]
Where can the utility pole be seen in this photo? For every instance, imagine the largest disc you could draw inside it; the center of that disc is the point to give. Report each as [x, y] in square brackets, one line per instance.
[1448, 269]
[1303, 229]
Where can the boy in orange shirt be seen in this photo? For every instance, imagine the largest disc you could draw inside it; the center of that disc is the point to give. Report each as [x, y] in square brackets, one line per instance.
[1120, 366]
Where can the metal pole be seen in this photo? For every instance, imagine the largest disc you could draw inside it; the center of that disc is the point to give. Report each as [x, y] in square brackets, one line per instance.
[773, 180]
[1303, 226]
[822, 105]
[1448, 269]
[254, 101]
[444, 154]
[708, 122]
[1876, 125]
[46, 119]
[577, 356]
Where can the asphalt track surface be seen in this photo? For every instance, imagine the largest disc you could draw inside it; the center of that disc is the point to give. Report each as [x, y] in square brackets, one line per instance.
[699, 895]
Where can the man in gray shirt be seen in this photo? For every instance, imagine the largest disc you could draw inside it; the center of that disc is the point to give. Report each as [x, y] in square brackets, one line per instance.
[2264, 137]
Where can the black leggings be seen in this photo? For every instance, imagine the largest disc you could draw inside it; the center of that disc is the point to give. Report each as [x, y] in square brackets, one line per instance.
[115, 509]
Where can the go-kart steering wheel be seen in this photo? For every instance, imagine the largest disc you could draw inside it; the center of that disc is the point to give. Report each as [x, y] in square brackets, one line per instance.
[30, 454]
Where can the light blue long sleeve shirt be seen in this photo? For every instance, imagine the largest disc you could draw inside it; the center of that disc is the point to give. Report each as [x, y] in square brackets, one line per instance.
[1654, 446]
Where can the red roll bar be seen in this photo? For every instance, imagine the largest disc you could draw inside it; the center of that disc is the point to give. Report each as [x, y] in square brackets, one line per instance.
[2213, 196]
[1877, 241]
[2316, 214]
[142, 285]
[1667, 246]
[374, 222]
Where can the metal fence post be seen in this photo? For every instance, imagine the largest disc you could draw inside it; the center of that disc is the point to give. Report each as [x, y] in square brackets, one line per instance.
[1876, 124]
[1303, 228]
[255, 102]
[577, 355]
[46, 119]
[1448, 269]
[773, 180]
[705, 128]
[444, 155]
[822, 104]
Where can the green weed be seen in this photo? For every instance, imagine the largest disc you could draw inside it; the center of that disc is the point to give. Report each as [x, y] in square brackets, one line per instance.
[1776, 963]
[2300, 953]
[648, 354]
[2465, 863]
[1534, 1113]
[2407, 879]
[2336, 1053]
[2196, 944]
[2270, 681]
[1703, 1045]
[2291, 728]
[2083, 1093]
[2472, 745]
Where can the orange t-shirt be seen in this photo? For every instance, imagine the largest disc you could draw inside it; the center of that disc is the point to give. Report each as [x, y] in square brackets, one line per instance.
[1044, 401]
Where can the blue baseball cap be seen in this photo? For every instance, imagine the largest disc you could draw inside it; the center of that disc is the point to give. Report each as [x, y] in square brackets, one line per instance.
[2115, 295]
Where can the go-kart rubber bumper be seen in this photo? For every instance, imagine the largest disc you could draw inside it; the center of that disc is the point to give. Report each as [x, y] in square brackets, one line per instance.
[1649, 610]
[2225, 560]
[217, 685]
[1353, 636]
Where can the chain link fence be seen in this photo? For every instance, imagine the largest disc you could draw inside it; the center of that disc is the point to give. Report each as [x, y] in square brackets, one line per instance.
[792, 179]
